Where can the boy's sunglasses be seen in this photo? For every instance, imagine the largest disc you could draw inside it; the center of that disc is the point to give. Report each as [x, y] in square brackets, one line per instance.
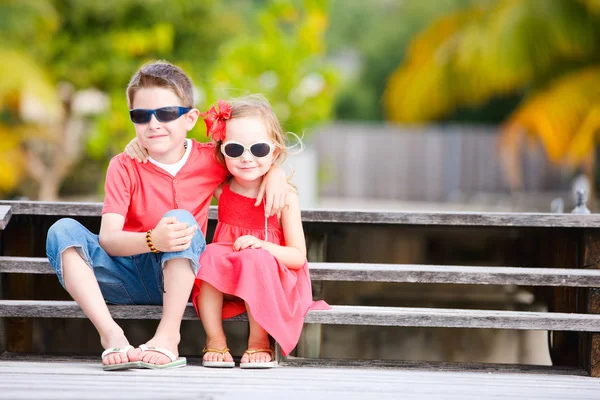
[163, 114]
[235, 150]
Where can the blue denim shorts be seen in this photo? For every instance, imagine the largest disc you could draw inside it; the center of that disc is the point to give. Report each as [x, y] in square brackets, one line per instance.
[123, 280]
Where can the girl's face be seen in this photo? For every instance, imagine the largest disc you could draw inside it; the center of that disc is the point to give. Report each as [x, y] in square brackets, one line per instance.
[248, 131]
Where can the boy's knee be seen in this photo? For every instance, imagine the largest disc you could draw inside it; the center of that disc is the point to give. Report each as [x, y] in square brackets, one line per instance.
[182, 216]
[62, 229]
[63, 225]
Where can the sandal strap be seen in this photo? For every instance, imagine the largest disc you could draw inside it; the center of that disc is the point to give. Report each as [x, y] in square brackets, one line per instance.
[166, 352]
[260, 351]
[113, 350]
[211, 350]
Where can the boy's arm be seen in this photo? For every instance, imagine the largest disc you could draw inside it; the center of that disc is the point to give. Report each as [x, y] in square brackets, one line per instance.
[117, 242]
[169, 235]
[274, 188]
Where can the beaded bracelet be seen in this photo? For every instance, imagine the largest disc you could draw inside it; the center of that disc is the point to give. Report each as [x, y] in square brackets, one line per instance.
[149, 242]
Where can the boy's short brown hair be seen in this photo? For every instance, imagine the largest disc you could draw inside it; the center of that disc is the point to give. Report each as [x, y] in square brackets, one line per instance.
[162, 74]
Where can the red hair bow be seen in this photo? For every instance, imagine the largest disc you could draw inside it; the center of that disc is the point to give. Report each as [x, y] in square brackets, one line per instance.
[215, 121]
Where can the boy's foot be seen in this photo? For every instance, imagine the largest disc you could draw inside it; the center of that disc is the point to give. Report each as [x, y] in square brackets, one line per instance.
[117, 342]
[157, 358]
[216, 354]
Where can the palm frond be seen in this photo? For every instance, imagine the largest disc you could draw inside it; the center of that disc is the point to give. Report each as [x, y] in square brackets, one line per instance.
[565, 117]
[469, 57]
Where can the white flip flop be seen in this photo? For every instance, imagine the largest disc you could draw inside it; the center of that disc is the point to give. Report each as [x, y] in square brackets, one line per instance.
[121, 366]
[260, 365]
[176, 362]
[217, 364]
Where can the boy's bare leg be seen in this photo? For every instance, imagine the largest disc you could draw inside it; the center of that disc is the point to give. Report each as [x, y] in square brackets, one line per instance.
[178, 282]
[258, 339]
[82, 285]
[211, 311]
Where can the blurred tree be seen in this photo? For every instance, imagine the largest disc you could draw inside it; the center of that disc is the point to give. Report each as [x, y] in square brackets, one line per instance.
[23, 22]
[82, 52]
[545, 52]
[369, 41]
[282, 57]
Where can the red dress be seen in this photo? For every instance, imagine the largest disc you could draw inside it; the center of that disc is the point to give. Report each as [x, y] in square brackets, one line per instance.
[278, 297]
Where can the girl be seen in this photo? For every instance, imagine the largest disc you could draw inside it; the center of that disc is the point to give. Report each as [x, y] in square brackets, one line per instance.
[255, 264]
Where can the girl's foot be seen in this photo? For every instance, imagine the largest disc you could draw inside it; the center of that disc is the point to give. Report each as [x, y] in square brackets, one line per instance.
[216, 354]
[258, 355]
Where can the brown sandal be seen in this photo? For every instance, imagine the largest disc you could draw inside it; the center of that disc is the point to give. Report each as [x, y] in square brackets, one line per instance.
[260, 365]
[217, 364]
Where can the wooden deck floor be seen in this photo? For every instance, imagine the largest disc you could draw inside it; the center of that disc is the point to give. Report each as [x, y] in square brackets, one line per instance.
[27, 379]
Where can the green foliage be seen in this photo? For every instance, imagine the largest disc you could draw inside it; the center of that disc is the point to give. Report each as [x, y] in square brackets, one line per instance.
[59, 46]
[282, 58]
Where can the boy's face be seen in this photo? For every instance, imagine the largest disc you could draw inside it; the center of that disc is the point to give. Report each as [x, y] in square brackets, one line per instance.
[163, 140]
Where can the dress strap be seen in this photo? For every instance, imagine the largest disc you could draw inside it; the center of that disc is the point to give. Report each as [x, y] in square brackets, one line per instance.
[266, 223]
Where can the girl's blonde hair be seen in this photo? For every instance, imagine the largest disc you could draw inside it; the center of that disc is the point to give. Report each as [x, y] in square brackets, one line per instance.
[256, 105]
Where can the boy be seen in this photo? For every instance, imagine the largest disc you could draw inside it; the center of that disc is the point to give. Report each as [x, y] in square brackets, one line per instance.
[153, 222]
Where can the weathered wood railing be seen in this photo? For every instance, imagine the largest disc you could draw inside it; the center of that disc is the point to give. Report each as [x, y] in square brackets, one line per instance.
[558, 254]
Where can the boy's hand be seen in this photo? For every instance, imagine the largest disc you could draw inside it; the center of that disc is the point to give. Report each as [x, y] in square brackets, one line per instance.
[248, 241]
[170, 235]
[135, 150]
[274, 188]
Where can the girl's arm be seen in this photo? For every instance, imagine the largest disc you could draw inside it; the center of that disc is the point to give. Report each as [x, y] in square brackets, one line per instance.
[293, 254]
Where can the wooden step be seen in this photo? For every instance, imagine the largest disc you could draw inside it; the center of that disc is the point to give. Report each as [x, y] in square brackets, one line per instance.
[5, 214]
[483, 219]
[343, 315]
[406, 273]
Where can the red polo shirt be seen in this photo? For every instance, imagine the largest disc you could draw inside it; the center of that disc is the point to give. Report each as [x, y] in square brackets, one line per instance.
[143, 193]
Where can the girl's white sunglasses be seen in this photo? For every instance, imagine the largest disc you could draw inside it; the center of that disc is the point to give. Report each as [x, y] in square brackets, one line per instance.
[233, 149]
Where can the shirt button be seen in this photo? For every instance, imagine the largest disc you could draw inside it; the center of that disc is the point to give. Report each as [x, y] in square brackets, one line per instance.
[177, 198]
[174, 181]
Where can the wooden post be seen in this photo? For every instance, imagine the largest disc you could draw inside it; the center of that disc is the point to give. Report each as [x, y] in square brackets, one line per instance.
[309, 345]
[2, 296]
[18, 241]
[590, 346]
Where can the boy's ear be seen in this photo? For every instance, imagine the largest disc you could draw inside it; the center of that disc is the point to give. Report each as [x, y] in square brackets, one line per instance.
[191, 117]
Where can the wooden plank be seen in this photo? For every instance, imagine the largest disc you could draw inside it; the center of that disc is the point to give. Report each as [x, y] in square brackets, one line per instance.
[416, 273]
[431, 366]
[591, 342]
[347, 364]
[342, 315]
[80, 380]
[5, 214]
[356, 217]
[399, 273]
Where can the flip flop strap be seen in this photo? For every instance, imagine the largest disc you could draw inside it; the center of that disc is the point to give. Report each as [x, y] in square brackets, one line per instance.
[211, 350]
[260, 351]
[112, 350]
[166, 352]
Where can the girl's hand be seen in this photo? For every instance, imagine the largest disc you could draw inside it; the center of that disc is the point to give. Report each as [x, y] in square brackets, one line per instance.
[247, 242]
[274, 188]
[135, 150]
